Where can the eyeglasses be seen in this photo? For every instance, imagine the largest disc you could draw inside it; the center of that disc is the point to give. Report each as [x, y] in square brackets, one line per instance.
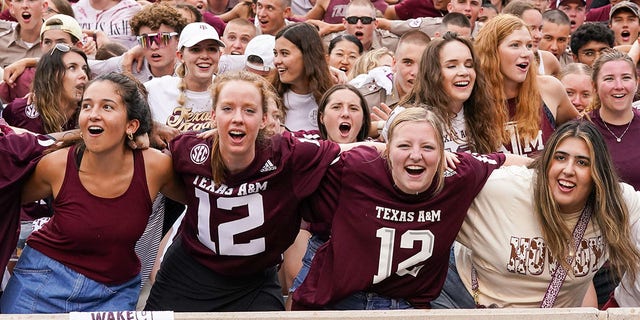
[161, 39]
[60, 47]
[592, 53]
[354, 20]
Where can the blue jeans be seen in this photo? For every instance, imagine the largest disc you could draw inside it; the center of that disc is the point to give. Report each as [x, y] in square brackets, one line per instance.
[314, 243]
[42, 285]
[370, 301]
[454, 294]
[358, 301]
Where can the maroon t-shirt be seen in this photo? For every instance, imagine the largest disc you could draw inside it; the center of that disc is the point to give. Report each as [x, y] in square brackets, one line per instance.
[600, 14]
[625, 154]
[6, 15]
[244, 225]
[412, 9]
[18, 155]
[214, 21]
[92, 235]
[382, 239]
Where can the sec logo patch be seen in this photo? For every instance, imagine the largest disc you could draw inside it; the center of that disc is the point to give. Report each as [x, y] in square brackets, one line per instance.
[31, 112]
[199, 153]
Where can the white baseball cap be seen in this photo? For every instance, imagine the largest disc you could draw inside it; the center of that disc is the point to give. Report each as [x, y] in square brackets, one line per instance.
[261, 46]
[62, 22]
[195, 32]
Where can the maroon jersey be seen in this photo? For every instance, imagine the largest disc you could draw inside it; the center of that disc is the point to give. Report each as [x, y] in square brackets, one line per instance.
[20, 114]
[306, 134]
[18, 156]
[96, 236]
[383, 240]
[244, 225]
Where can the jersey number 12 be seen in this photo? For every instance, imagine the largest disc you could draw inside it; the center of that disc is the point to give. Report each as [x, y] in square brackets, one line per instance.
[228, 230]
[407, 241]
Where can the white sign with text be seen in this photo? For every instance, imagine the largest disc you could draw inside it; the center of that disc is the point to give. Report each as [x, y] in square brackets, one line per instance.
[122, 315]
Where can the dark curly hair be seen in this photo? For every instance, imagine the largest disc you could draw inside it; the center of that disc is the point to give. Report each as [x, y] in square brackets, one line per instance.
[590, 31]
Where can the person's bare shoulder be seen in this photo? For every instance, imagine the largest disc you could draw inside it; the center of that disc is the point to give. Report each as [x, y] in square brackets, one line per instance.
[55, 158]
[154, 158]
[551, 63]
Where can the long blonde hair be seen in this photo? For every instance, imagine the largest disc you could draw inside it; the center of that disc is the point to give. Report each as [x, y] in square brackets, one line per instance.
[528, 101]
[181, 71]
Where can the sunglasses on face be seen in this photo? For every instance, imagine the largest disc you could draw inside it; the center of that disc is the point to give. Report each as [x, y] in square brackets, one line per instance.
[60, 47]
[354, 20]
[161, 39]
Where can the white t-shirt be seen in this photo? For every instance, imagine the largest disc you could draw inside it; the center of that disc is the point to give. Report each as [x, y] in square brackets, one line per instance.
[114, 64]
[113, 21]
[302, 111]
[301, 7]
[163, 101]
[460, 143]
[504, 242]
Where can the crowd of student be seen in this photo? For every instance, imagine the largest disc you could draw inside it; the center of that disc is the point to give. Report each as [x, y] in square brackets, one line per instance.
[226, 155]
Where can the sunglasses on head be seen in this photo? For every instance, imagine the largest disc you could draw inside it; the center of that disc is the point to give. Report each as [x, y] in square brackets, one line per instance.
[60, 47]
[161, 39]
[354, 20]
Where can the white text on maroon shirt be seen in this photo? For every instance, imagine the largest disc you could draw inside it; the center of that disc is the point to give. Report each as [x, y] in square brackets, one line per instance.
[243, 189]
[390, 214]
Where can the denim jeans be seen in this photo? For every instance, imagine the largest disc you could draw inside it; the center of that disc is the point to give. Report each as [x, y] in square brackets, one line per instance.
[370, 301]
[42, 285]
[358, 301]
[314, 243]
[454, 294]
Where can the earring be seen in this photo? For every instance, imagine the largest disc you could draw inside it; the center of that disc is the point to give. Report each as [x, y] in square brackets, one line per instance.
[130, 136]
